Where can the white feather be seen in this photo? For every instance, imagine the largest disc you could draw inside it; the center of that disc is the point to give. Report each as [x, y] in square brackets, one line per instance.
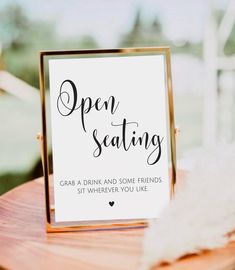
[200, 216]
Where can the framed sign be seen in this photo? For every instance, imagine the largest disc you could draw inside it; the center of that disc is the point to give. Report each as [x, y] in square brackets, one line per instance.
[108, 122]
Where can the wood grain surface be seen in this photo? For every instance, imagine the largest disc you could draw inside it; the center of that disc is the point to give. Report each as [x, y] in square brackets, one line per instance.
[24, 243]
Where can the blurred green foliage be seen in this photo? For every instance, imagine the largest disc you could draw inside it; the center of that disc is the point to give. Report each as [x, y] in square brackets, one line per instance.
[229, 48]
[22, 39]
[151, 34]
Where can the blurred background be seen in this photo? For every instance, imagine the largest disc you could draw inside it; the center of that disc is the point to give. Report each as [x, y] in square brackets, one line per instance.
[201, 35]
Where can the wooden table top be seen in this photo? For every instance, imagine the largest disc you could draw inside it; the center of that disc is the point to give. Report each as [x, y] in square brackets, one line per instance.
[24, 244]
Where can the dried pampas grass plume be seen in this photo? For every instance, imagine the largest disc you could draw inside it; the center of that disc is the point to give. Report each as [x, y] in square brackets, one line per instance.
[201, 216]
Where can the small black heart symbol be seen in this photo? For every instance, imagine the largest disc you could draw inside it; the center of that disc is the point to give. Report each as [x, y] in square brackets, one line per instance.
[111, 203]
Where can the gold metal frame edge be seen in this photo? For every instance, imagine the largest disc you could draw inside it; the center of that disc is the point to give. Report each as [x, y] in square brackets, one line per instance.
[52, 228]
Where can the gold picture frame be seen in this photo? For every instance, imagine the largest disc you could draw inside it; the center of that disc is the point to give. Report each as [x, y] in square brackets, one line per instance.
[51, 225]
